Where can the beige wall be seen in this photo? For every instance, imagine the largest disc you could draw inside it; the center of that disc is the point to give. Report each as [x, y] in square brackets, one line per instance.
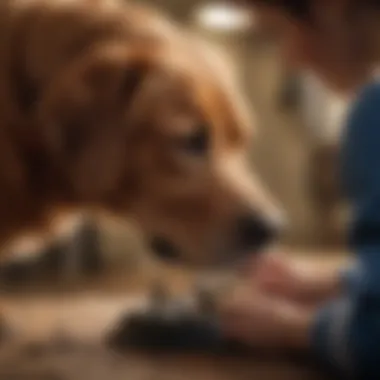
[281, 151]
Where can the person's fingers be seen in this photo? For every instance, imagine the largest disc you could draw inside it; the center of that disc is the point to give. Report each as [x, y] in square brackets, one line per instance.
[275, 264]
[231, 320]
[239, 332]
[233, 324]
[263, 275]
[241, 323]
[259, 263]
[270, 282]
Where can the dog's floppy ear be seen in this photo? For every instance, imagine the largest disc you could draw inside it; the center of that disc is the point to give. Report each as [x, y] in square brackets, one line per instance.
[84, 115]
[94, 88]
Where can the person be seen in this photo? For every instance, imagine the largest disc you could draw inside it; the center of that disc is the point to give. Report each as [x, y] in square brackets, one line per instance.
[335, 315]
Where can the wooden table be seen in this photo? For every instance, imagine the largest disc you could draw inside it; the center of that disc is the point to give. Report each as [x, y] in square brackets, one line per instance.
[61, 338]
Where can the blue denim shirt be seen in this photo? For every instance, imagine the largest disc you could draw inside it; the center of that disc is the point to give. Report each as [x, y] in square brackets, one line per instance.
[347, 330]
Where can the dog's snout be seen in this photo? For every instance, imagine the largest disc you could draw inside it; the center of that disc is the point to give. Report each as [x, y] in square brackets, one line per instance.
[254, 232]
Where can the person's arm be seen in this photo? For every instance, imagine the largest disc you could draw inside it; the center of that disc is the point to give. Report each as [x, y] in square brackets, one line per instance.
[343, 335]
[361, 175]
[280, 275]
[259, 320]
[345, 332]
[319, 285]
[360, 160]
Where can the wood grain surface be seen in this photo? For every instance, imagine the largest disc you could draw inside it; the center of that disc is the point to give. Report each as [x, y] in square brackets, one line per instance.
[60, 336]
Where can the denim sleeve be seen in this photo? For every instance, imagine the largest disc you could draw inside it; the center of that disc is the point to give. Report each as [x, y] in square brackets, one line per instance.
[360, 152]
[330, 336]
[352, 278]
[361, 176]
[346, 332]
[346, 338]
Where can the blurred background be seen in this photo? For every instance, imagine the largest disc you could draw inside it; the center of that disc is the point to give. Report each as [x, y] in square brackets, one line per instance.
[295, 152]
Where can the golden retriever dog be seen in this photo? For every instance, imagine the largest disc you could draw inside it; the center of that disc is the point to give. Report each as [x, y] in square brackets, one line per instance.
[106, 105]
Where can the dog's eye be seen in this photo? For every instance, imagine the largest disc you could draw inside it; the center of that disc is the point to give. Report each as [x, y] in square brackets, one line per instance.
[196, 143]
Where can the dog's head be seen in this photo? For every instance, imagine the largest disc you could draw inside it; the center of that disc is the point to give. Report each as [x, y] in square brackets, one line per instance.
[159, 133]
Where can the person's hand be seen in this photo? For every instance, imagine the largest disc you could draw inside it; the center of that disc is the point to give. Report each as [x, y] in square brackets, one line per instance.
[283, 277]
[261, 321]
[252, 319]
[277, 275]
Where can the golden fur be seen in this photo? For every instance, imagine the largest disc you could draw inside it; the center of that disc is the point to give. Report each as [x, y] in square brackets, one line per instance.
[98, 101]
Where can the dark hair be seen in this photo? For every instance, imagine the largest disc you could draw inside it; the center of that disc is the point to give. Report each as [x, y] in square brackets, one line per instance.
[301, 9]
[297, 8]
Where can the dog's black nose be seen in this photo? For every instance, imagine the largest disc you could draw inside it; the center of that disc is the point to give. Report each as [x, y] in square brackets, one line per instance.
[163, 249]
[254, 232]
